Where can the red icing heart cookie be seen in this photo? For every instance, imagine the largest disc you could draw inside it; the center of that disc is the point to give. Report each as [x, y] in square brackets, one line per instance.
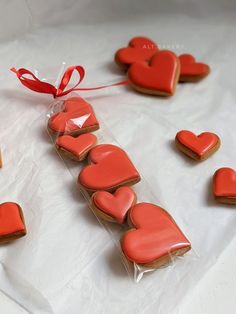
[76, 148]
[110, 168]
[76, 118]
[156, 236]
[114, 207]
[142, 43]
[198, 147]
[190, 70]
[224, 185]
[157, 78]
[12, 225]
[140, 49]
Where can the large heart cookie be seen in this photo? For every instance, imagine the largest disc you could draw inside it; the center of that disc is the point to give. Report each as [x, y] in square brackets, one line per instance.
[77, 117]
[190, 70]
[114, 207]
[140, 49]
[12, 224]
[76, 148]
[155, 238]
[110, 169]
[224, 185]
[160, 77]
[198, 147]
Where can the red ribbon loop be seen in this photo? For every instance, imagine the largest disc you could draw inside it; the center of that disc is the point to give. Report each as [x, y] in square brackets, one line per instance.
[39, 86]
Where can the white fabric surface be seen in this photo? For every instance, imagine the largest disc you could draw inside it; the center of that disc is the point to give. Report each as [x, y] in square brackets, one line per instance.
[67, 263]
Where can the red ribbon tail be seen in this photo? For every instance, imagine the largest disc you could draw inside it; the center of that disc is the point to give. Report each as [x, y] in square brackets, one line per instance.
[103, 86]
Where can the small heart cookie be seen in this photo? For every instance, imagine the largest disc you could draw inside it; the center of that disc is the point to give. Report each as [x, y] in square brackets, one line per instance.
[159, 77]
[76, 118]
[224, 185]
[114, 207]
[76, 148]
[109, 169]
[198, 147]
[190, 70]
[140, 49]
[154, 238]
[12, 225]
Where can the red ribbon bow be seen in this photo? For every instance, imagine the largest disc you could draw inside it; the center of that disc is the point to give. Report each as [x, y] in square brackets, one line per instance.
[39, 86]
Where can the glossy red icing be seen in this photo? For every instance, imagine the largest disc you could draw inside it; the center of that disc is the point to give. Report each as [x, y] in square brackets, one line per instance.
[189, 67]
[76, 116]
[156, 234]
[199, 144]
[10, 219]
[115, 205]
[160, 75]
[77, 146]
[111, 167]
[140, 49]
[224, 182]
[143, 43]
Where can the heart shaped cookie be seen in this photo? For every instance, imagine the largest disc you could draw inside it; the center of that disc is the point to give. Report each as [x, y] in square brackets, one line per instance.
[76, 148]
[12, 225]
[190, 70]
[114, 207]
[224, 185]
[77, 117]
[140, 49]
[110, 169]
[157, 78]
[155, 237]
[198, 147]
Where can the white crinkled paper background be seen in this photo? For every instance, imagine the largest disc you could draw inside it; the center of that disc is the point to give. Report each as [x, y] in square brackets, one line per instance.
[68, 263]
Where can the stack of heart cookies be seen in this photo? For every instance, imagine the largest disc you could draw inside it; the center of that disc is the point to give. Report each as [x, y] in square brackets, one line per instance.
[153, 237]
[151, 70]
